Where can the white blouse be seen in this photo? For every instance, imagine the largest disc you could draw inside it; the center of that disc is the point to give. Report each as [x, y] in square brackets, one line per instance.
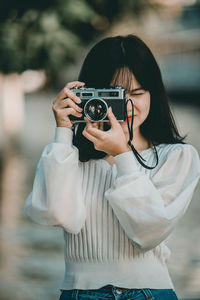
[116, 218]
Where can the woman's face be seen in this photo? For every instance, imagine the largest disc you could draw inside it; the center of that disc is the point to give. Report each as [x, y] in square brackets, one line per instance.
[141, 102]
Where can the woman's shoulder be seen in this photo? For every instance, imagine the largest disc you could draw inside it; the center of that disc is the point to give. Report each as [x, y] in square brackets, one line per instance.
[177, 152]
[178, 147]
[177, 159]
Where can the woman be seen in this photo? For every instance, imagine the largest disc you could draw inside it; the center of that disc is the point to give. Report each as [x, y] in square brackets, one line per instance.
[116, 214]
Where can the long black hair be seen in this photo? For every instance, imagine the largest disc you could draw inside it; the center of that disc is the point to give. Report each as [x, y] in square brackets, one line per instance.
[97, 71]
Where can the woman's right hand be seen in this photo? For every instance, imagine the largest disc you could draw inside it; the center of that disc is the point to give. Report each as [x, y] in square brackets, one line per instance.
[65, 104]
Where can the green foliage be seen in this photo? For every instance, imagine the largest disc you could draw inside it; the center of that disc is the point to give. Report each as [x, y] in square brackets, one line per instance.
[42, 39]
[46, 34]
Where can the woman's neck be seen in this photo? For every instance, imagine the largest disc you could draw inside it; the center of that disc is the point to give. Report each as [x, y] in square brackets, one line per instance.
[139, 141]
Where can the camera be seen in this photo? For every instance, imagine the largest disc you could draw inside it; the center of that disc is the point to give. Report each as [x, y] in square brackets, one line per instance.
[95, 104]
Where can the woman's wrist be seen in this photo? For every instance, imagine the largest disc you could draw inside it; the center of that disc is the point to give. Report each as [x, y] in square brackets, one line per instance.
[121, 150]
[61, 124]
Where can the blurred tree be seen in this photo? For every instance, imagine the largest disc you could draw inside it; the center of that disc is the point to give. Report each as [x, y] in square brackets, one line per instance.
[40, 34]
[46, 34]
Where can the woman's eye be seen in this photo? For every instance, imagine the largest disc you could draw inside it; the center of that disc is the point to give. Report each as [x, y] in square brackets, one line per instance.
[138, 94]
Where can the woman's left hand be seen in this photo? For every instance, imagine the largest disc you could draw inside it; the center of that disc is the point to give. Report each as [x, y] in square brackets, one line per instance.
[113, 141]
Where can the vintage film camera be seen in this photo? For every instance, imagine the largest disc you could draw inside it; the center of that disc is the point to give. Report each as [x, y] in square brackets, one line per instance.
[95, 104]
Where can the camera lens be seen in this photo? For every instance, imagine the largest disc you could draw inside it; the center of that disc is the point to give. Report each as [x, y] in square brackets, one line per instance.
[96, 109]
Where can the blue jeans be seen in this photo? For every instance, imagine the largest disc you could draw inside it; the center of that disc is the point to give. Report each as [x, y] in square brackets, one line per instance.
[115, 293]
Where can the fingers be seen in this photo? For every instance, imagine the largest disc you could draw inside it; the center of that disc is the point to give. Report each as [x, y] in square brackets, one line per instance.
[101, 126]
[69, 93]
[65, 104]
[88, 122]
[89, 136]
[65, 92]
[67, 107]
[69, 103]
[72, 96]
[98, 125]
[71, 85]
[112, 119]
[86, 132]
[98, 134]
[72, 111]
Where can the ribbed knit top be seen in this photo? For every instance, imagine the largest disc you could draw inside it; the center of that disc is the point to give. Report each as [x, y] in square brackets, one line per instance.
[115, 219]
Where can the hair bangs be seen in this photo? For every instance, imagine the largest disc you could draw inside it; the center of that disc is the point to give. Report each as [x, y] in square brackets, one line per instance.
[122, 77]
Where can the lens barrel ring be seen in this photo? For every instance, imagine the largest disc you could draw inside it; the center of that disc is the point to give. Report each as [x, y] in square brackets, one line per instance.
[96, 109]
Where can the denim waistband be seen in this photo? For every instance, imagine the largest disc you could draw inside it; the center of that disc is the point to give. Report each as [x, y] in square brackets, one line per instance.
[113, 292]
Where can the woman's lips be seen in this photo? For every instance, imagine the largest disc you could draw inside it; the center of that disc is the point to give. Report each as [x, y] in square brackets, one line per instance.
[130, 118]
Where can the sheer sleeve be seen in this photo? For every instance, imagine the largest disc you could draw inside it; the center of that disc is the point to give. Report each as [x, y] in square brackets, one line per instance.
[149, 208]
[56, 198]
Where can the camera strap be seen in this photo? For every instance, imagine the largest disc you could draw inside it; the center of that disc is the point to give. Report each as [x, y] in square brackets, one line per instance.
[130, 129]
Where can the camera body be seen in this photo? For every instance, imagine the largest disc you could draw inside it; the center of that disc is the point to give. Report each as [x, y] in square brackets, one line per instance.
[95, 104]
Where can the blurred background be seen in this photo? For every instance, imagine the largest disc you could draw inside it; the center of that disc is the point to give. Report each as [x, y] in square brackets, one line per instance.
[42, 46]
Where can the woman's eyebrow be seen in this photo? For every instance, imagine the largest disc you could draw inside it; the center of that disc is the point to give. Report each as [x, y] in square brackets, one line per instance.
[134, 90]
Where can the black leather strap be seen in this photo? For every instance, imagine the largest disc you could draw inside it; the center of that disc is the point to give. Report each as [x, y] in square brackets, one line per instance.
[130, 129]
